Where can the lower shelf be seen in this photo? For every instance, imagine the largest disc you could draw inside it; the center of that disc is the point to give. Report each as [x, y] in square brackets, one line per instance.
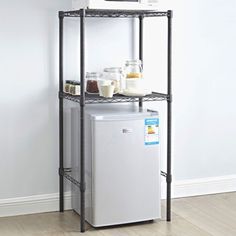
[66, 173]
[117, 98]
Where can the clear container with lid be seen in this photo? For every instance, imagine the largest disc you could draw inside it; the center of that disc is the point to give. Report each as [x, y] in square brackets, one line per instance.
[72, 87]
[67, 86]
[75, 87]
[116, 75]
[92, 82]
[134, 69]
[133, 75]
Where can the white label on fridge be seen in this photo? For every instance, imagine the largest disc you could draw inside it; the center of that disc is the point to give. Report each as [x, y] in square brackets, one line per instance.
[151, 135]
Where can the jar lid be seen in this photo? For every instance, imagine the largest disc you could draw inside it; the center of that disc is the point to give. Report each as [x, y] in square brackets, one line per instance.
[69, 81]
[76, 82]
[73, 82]
[133, 62]
[113, 69]
[93, 75]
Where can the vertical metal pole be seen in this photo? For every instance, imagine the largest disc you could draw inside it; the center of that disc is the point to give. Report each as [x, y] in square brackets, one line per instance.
[169, 117]
[82, 120]
[141, 49]
[61, 162]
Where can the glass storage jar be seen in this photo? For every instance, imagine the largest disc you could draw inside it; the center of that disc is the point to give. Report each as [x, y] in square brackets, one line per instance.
[75, 88]
[133, 69]
[72, 87]
[92, 82]
[115, 74]
[67, 86]
[134, 75]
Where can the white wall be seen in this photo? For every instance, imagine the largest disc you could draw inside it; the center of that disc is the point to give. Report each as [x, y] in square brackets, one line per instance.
[29, 76]
[204, 36]
[28, 46]
[203, 87]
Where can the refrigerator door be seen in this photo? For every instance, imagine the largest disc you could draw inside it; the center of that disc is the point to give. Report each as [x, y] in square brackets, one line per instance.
[126, 170]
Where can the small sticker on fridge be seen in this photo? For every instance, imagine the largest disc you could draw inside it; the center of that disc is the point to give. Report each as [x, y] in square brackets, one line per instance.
[151, 135]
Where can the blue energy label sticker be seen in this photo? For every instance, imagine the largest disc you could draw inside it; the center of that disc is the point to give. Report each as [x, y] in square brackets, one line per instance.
[151, 135]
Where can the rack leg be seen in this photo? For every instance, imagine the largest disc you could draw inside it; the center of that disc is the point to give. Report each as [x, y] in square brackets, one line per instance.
[61, 161]
[82, 121]
[169, 119]
[141, 49]
[169, 175]
[61, 182]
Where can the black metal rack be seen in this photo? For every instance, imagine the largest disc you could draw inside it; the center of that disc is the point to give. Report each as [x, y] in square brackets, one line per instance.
[84, 98]
[117, 98]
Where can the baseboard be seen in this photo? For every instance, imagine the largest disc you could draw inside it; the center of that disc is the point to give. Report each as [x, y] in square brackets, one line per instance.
[33, 204]
[202, 186]
[50, 202]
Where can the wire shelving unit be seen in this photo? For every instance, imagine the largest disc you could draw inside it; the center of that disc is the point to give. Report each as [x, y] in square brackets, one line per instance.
[85, 99]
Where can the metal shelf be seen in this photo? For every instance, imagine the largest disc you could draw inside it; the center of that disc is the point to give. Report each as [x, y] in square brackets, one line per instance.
[65, 173]
[114, 13]
[85, 99]
[95, 99]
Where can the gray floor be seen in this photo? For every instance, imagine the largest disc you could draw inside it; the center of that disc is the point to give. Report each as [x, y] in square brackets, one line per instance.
[212, 215]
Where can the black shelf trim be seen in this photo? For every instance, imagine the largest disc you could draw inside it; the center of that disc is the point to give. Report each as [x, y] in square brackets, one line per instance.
[114, 13]
[117, 98]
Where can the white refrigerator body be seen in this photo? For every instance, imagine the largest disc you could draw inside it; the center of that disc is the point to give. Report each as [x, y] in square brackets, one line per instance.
[122, 167]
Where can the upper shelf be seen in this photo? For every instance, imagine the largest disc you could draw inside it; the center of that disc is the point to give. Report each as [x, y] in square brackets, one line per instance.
[94, 99]
[115, 13]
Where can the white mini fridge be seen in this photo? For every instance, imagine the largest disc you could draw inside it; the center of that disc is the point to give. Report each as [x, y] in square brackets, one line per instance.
[122, 164]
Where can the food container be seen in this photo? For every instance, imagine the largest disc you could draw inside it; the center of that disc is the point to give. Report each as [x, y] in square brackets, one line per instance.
[92, 82]
[134, 84]
[72, 87]
[133, 75]
[67, 85]
[133, 69]
[75, 88]
[116, 75]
